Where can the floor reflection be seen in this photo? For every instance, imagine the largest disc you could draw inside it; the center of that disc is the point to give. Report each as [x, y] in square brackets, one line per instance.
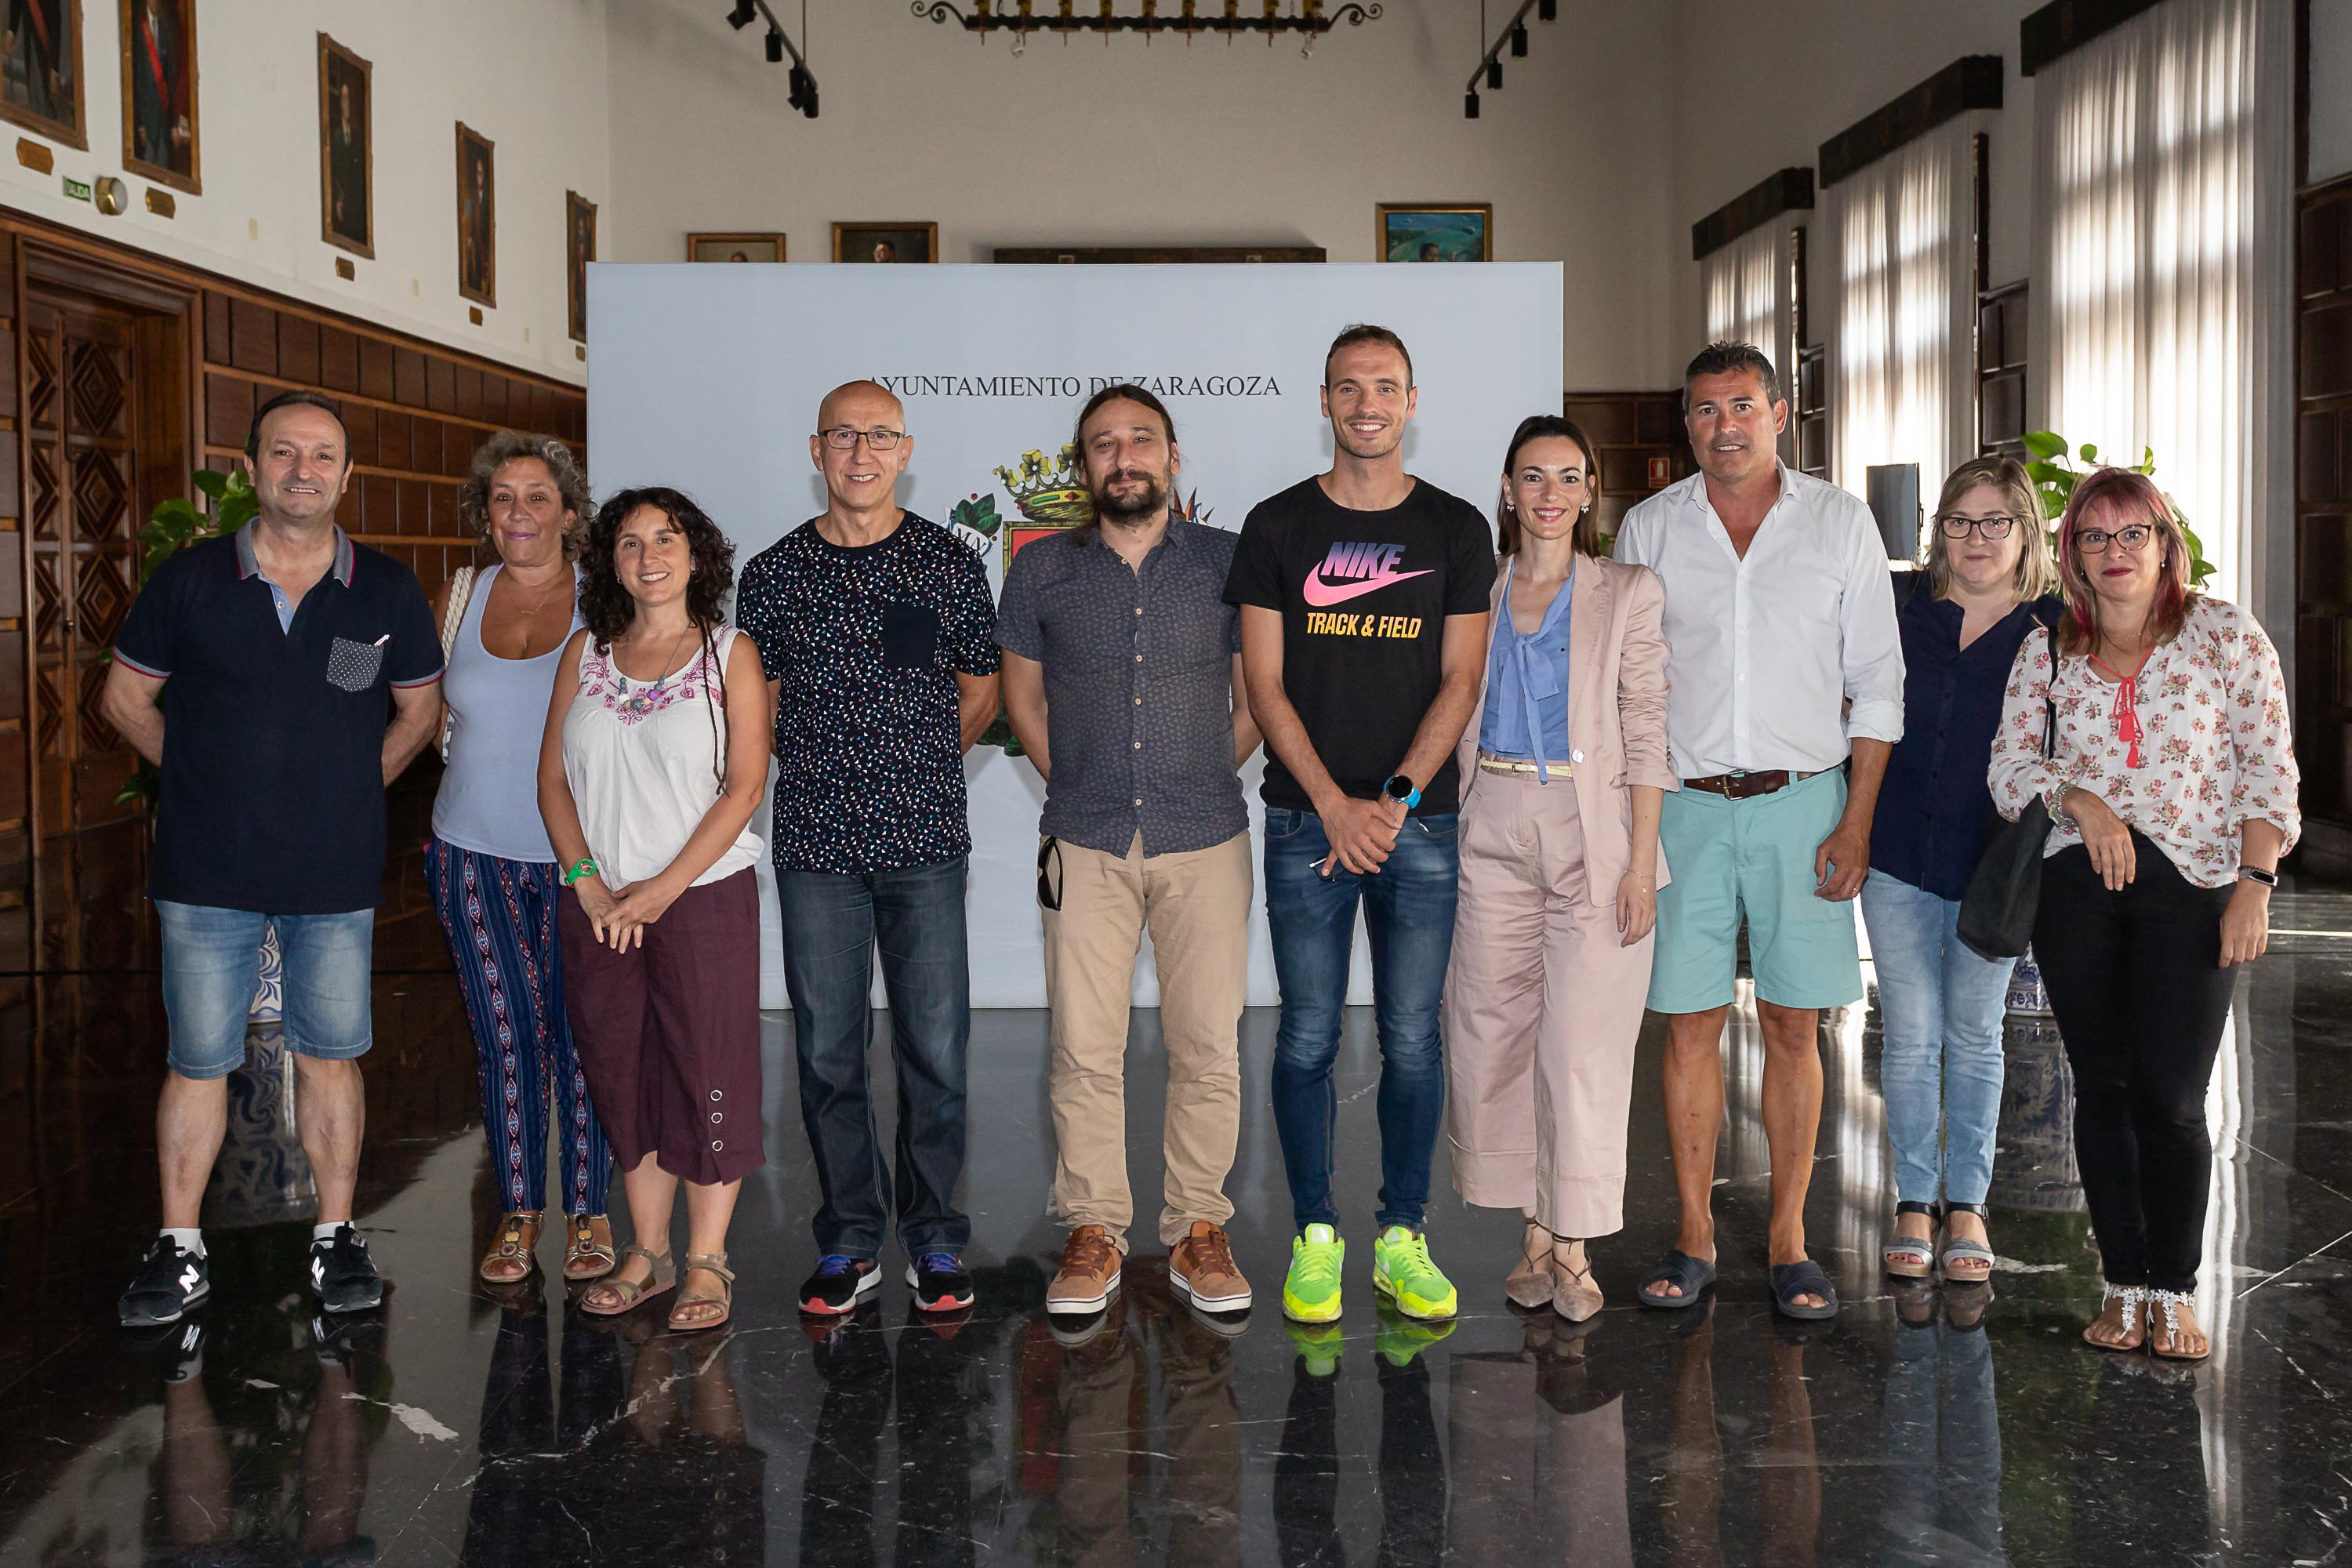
[467, 1425]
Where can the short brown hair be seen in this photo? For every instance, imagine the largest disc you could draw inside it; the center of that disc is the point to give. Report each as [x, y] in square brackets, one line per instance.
[1536, 428]
[1725, 357]
[1364, 333]
[295, 399]
[2036, 573]
[509, 446]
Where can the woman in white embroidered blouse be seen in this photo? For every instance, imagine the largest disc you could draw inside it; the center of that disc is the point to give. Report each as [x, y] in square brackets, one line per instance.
[2171, 786]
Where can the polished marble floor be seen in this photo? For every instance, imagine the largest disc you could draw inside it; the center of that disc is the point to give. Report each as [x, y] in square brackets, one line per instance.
[464, 1423]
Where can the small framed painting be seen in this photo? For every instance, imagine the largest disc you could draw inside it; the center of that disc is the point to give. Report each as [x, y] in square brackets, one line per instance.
[579, 251]
[1422, 233]
[40, 68]
[734, 247]
[886, 242]
[478, 219]
[346, 149]
[159, 93]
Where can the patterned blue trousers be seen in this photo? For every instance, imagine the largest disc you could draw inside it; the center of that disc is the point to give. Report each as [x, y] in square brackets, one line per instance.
[500, 918]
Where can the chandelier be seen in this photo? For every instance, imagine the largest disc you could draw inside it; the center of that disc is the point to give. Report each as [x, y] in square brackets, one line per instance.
[1022, 18]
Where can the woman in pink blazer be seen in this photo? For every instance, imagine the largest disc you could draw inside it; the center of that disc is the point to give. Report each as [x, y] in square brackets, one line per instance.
[1563, 774]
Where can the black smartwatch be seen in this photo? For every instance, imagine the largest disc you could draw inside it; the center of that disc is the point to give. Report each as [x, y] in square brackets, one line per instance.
[1401, 789]
[2256, 874]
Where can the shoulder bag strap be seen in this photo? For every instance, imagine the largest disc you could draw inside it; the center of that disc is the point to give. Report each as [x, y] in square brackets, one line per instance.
[453, 619]
[2050, 700]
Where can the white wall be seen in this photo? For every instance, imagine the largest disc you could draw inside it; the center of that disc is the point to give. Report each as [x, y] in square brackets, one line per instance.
[2331, 90]
[1759, 91]
[528, 74]
[1095, 144]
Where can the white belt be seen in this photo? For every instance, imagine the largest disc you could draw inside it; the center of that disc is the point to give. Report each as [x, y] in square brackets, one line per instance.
[1494, 764]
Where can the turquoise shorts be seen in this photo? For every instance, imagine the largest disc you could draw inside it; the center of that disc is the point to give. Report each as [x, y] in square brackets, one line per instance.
[1754, 857]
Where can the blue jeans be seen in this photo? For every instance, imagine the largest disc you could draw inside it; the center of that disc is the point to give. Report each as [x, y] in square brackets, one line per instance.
[1409, 916]
[212, 961]
[1941, 1008]
[832, 924]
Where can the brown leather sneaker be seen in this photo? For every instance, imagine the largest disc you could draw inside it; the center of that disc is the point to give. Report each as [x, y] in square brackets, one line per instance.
[1088, 1277]
[1202, 1268]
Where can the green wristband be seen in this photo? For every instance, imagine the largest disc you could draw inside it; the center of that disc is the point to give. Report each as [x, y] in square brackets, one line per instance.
[586, 868]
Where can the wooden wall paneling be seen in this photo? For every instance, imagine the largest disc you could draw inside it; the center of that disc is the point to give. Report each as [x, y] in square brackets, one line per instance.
[1628, 430]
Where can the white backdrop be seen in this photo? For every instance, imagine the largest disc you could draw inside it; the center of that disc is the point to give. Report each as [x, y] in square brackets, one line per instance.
[708, 377]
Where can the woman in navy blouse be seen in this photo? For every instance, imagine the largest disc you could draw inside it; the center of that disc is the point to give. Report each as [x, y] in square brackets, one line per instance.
[1987, 585]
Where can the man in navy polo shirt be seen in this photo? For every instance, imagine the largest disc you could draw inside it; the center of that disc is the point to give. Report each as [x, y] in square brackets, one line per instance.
[258, 672]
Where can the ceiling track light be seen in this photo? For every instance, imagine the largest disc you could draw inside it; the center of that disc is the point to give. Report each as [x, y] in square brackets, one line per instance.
[801, 84]
[1514, 35]
[1018, 17]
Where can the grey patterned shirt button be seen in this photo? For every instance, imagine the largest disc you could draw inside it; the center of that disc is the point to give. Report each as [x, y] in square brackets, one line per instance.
[1063, 595]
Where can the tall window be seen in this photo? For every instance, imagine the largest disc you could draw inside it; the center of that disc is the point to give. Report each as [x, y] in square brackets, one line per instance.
[1746, 287]
[1899, 351]
[2164, 161]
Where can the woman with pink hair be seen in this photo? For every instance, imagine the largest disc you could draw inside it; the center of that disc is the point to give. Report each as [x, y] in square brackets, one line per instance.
[2171, 787]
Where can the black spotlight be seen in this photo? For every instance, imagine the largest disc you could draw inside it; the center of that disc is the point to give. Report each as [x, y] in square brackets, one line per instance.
[775, 47]
[741, 17]
[1520, 42]
[1494, 73]
[798, 85]
[1547, 10]
[1470, 105]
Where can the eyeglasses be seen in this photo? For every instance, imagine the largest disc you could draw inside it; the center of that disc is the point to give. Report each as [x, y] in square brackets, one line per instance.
[842, 439]
[1994, 527]
[2094, 541]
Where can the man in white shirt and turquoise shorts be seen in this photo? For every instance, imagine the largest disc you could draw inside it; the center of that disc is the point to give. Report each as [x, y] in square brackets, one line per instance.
[1785, 678]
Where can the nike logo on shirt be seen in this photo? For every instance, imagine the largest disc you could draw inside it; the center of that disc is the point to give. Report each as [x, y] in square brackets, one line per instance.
[1374, 566]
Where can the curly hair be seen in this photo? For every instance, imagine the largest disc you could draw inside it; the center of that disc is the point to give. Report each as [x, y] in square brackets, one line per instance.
[606, 608]
[505, 446]
[606, 605]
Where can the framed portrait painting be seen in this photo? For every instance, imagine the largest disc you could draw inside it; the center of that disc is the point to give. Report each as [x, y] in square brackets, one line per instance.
[346, 149]
[40, 67]
[478, 219]
[886, 242]
[1424, 233]
[579, 251]
[159, 93]
[734, 247]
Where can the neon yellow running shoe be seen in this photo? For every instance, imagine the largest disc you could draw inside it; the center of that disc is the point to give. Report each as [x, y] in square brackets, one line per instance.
[1311, 1293]
[1318, 1346]
[1403, 1272]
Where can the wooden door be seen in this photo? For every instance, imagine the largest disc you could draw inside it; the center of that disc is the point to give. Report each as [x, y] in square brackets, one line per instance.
[86, 371]
[2322, 478]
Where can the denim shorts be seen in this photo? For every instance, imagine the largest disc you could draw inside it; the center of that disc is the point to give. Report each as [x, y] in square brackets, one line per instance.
[212, 963]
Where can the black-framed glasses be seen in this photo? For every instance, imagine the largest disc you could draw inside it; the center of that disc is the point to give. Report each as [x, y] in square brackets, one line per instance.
[842, 439]
[1994, 527]
[2094, 541]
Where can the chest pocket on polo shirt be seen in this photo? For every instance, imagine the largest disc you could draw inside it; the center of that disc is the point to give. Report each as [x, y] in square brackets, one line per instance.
[354, 665]
[910, 636]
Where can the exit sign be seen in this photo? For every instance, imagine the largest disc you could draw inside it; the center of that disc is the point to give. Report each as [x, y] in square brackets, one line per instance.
[77, 190]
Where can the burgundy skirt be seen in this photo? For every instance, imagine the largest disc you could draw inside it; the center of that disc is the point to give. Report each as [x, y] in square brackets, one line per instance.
[668, 1033]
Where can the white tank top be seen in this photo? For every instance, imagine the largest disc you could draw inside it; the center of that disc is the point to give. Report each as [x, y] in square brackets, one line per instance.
[644, 763]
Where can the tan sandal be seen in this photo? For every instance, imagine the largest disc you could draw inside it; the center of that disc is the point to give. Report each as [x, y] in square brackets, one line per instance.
[1574, 1295]
[591, 1254]
[709, 1263]
[2131, 1321]
[620, 1296]
[1530, 1284]
[2166, 1334]
[513, 1255]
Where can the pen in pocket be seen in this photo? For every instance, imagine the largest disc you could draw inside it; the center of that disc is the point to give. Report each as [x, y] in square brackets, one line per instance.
[381, 641]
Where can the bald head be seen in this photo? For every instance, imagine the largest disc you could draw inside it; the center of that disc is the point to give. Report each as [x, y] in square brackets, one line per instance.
[861, 404]
[861, 446]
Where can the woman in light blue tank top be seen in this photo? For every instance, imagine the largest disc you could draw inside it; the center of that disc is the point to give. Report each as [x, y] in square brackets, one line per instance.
[495, 881]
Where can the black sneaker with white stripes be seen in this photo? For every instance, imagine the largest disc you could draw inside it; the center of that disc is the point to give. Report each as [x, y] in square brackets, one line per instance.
[172, 1281]
[343, 1275]
[940, 1282]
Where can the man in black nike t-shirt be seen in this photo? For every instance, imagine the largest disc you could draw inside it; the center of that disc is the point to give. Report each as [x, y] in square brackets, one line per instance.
[1363, 595]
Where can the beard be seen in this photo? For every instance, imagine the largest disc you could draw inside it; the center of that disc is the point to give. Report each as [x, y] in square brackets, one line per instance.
[1132, 506]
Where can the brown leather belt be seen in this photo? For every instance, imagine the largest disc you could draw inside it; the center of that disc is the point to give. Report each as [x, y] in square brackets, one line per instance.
[1742, 786]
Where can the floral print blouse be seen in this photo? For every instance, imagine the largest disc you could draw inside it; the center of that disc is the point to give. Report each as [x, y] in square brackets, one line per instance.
[2215, 750]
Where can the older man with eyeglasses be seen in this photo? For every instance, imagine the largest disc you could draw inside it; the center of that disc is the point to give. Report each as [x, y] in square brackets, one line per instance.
[878, 638]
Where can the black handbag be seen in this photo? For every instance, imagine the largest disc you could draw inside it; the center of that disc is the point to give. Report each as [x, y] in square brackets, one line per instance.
[2005, 889]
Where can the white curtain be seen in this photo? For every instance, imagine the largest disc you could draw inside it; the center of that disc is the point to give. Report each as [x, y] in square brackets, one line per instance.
[1901, 347]
[2164, 201]
[1746, 285]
